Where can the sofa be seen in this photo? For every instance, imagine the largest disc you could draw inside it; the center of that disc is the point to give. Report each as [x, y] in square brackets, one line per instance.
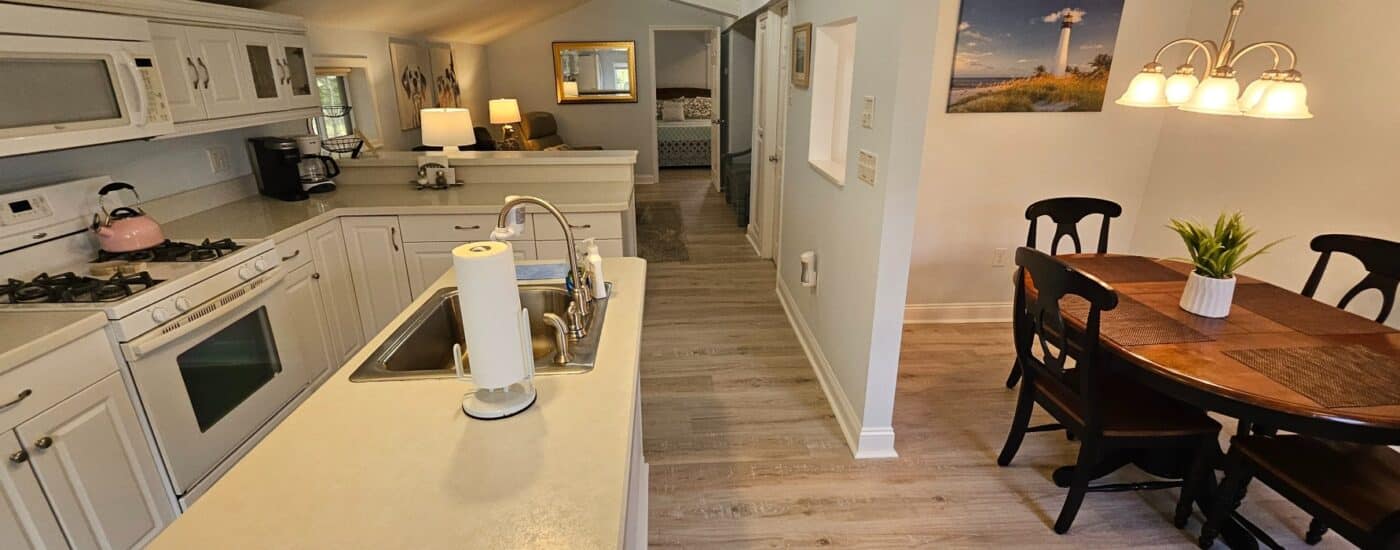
[539, 132]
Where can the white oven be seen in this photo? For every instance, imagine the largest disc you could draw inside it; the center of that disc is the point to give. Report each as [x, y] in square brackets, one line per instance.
[70, 78]
[211, 376]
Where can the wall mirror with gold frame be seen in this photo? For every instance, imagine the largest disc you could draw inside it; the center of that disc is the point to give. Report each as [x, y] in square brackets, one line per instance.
[595, 72]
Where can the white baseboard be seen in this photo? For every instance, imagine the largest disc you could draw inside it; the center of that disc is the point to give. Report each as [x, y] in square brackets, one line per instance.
[971, 312]
[865, 442]
[643, 179]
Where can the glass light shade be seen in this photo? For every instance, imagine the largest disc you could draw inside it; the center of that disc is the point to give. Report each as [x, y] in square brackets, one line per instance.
[1253, 92]
[447, 128]
[1287, 100]
[504, 111]
[570, 89]
[1180, 87]
[1146, 90]
[1217, 95]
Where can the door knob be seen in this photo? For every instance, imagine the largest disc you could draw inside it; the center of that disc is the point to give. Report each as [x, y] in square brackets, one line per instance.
[19, 457]
[44, 442]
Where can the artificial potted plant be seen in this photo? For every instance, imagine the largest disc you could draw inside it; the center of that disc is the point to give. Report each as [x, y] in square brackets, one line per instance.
[1216, 252]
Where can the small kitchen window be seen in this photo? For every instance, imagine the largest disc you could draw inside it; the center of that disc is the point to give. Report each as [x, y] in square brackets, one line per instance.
[337, 118]
[833, 70]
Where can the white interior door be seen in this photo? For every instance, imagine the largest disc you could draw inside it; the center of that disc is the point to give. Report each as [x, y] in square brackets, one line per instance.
[774, 198]
[759, 172]
[716, 96]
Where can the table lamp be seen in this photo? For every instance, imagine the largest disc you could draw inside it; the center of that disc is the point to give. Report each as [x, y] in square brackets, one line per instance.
[571, 89]
[448, 128]
[506, 112]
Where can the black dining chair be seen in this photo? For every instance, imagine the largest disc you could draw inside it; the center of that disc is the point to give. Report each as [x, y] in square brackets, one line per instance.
[1351, 488]
[1066, 213]
[1104, 412]
[1380, 257]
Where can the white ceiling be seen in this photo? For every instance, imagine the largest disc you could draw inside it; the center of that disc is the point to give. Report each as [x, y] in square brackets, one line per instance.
[470, 21]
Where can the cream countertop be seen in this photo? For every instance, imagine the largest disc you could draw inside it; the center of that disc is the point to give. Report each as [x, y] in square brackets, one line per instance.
[497, 158]
[26, 335]
[259, 217]
[397, 465]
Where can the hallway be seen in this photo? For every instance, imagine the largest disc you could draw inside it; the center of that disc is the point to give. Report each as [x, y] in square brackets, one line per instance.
[745, 452]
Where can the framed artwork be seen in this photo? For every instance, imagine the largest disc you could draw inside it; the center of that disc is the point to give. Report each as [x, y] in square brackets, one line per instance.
[1033, 55]
[802, 55]
[412, 85]
[446, 89]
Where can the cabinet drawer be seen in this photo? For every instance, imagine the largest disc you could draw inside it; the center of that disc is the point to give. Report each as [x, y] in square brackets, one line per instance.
[603, 225]
[295, 251]
[55, 376]
[555, 250]
[454, 228]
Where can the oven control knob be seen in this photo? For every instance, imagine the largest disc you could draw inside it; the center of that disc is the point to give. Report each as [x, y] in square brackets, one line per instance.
[182, 303]
[262, 265]
[247, 272]
[160, 315]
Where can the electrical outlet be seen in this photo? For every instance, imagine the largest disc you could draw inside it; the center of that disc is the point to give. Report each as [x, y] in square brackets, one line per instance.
[867, 113]
[1000, 257]
[866, 168]
[218, 159]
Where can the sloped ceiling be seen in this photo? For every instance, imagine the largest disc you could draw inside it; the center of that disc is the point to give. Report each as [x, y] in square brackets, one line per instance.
[470, 21]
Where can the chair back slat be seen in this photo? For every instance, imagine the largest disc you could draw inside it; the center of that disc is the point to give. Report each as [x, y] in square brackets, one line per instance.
[1040, 318]
[1067, 212]
[1381, 259]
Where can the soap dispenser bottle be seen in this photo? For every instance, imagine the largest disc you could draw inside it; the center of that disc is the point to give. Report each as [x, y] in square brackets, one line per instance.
[595, 268]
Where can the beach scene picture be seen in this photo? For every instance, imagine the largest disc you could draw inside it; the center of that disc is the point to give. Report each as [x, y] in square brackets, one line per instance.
[1033, 55]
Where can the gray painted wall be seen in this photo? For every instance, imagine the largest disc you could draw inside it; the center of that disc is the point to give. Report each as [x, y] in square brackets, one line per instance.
[682, 60]
[740, 92]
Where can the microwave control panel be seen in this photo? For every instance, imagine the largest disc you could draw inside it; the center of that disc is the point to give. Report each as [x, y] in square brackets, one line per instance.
[22, 209]
[157, 107]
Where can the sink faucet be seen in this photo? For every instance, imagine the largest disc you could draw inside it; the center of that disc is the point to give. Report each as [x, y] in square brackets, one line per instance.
[580, 303]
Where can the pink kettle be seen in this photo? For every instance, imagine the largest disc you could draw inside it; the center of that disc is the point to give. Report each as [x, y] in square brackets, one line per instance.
[124, 229]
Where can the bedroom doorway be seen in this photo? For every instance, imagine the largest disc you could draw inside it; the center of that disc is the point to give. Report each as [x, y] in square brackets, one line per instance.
[685, 64]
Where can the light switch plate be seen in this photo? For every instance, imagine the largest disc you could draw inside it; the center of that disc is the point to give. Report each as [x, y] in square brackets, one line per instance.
[866, 166]
[218, 159]
[867, 113]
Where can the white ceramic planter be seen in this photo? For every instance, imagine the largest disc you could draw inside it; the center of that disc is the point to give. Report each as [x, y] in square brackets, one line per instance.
[1208, 297]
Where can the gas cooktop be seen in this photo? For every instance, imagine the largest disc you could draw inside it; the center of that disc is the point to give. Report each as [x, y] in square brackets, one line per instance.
[73, 288]
[174, 251]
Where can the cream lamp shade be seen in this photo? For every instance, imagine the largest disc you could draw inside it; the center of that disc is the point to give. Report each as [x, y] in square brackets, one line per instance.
[1283, 99]
[1217, 95]
[448, 128]
[1146, 90]
[1180, 86]
[570, 89]
[504, 111]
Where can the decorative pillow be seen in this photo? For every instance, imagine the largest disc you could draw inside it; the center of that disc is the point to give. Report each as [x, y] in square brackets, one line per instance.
[673, 111]
[697, 107]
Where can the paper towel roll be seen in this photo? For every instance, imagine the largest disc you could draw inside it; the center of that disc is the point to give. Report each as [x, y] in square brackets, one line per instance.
[490, 303]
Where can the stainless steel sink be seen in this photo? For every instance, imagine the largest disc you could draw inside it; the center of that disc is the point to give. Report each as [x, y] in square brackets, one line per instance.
[422, 347]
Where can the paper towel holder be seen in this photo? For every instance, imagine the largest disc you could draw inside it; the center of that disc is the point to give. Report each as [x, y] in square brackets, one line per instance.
[498, 403]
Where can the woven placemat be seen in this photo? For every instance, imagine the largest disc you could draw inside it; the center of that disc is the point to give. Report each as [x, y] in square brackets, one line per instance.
[1333, 376]
[1133, 323]
[1302, 314]
[1125, 269]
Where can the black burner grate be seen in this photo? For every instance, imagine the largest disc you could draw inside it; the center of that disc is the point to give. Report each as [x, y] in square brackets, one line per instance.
[72, 288]
[174, 251]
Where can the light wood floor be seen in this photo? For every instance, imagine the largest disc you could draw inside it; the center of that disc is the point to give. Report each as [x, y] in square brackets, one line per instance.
[745, 452]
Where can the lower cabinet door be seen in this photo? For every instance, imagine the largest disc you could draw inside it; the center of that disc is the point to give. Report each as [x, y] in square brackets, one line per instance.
[26, 523]
[377, 269]
[97, 470]
[312, 332]
[337, 290]
[428, 261]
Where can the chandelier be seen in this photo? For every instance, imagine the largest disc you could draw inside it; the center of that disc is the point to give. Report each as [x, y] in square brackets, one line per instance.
[1278, 93]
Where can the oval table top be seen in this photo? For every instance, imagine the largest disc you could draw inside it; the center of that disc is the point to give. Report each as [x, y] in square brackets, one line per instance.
[1206, 372]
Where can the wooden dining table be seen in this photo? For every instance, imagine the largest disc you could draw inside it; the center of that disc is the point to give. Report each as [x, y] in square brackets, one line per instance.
[1280, 359]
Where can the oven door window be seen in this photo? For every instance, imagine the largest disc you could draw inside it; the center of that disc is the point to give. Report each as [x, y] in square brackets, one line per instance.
[72, 91]
[228, 367]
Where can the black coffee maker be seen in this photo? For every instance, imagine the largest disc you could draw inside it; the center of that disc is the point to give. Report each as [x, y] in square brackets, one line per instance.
[275, 161]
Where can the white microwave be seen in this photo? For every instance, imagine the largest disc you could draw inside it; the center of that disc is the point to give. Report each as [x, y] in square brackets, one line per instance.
[72, 78]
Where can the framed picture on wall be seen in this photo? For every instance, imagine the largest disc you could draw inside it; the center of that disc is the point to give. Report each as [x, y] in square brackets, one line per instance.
[802, 55]
[446, 89]
[412, 85]
[1033, 55]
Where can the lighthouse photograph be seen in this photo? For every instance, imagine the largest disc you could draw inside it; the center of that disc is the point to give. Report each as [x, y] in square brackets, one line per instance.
[1033, 55]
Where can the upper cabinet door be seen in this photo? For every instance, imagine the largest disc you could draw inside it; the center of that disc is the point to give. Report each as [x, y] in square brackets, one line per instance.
[262, 70]
[180, 72]
[94, 464]
[25, 519]
[299, 80]
[216, 55]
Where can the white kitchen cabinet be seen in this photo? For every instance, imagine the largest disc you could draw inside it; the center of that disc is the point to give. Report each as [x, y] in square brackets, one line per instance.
[378, 270]
[26, 522]
[179, 72]
[428, 261]
[99, 475]
[261, 70]
[222, 85]
[312, 333]
[337, 290]
[557, 250]
[298, 75]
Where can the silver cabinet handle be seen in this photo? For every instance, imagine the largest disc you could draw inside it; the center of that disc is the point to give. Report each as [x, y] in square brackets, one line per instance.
[773, 158]
[23, 394]
[196, 72]
[466, 227]
[316, 276]
[205, 68]
[393, 237]
[584, 226]
[294, 254]
[44, 442]
[20, 457]
[39, 235]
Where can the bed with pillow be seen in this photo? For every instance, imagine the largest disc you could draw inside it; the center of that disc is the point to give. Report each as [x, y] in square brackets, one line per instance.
[683, 127]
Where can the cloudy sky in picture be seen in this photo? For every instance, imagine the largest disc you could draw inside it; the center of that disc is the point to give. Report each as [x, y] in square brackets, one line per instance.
[1006, 38]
